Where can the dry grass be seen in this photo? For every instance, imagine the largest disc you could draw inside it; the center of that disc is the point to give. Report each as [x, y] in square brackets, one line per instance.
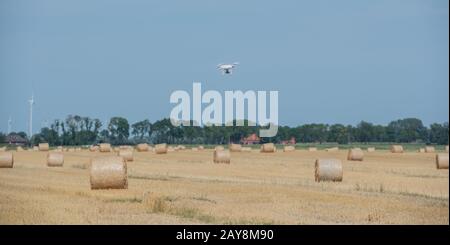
[188, 188]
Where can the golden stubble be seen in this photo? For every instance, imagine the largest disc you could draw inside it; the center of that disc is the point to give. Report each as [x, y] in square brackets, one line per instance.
[186, 187]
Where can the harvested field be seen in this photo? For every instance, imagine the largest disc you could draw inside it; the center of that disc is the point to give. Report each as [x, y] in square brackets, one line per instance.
[186, 187]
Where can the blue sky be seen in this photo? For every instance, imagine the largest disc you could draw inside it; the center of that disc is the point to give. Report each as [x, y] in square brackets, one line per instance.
[331, 61]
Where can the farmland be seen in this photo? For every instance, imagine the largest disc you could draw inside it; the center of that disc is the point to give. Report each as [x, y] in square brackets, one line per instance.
[186, 187]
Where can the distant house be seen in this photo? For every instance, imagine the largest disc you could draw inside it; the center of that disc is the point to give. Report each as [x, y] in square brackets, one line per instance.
[289, 142]
[250, 140]
[15, 139]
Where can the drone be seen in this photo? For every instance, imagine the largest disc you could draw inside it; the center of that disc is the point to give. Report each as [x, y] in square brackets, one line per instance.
[227, 68]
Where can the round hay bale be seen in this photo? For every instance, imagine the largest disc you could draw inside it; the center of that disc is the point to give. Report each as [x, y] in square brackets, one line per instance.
[170, 149]
[268, 148]
[194, 148]
[6, 159]
[397, 149]
[161, 148]
[430, 149]
[43, 147]
[235, 148]
[19, 149]
[222, 156]
[421, 150]
[3, 149]
[105, 147]
[127, 154]
[246, 149]
[442, 161]
[93, 148]
[219, 148]
[332, 149]
[201, 148]
[142, 147]
[328, 170]
[370, 149]
[289, 148]
[108, 172]
[181, 147]
[55, 159]
[312, 149]
[355, 154]
[446, 148]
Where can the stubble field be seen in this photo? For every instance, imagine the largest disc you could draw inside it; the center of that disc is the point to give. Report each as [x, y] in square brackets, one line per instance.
[186, 187]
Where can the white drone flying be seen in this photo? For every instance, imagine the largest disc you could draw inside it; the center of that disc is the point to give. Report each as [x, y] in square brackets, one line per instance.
[227, 68]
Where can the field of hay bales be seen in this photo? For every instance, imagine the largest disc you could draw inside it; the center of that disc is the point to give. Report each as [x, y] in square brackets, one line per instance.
[186, 187]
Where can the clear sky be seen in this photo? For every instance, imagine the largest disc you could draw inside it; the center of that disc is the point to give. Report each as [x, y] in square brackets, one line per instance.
[331, 61]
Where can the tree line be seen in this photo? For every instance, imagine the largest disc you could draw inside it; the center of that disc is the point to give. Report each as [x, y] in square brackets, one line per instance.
[78, 130]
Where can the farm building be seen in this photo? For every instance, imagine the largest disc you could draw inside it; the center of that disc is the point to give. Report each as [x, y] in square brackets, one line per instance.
[289, 142]
[15, 139]
[250, 140]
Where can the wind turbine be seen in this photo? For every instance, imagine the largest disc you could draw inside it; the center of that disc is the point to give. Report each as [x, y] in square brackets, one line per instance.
[9, 125]
[30, 129]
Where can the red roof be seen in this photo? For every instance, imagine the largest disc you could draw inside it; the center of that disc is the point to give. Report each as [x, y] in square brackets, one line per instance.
[289, 142]
[253, 138]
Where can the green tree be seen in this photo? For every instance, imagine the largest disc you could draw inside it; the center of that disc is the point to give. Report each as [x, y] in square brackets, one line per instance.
[2, 138]
[77, 130]
[104, 136]
[119, 130]
[338, 133]
[407, 130]
[141, 129]
[162, 130]
[379, 134]
[312, 133]
[22, 134]
[48, 135]
[438, 133]
[364, 132]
